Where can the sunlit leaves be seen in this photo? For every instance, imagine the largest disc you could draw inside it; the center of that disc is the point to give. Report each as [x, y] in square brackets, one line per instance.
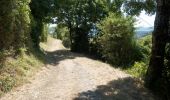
[116, 40]
[14, 21]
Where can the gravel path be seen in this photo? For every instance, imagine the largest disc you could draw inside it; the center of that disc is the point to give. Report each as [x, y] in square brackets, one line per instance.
[70, 76]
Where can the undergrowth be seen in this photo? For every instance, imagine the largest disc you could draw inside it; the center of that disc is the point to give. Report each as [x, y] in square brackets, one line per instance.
[139, 68]
[15, 71]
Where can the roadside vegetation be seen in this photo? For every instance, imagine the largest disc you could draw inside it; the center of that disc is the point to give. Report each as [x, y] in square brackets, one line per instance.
[20, 54]
[115, 43]
[15, 71]
[101, 28]
[139, 68]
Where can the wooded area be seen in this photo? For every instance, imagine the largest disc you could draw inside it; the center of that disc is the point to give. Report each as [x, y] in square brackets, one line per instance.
[103, 29]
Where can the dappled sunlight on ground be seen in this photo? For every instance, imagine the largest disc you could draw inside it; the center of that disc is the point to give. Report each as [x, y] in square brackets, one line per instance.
[73, 76]
[120, 89]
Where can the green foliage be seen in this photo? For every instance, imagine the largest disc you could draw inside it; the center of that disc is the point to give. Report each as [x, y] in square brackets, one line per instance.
[15, 39]
[138, 69]
[134, 7]
[113, 6]
[39, 32]
[145, 44]
[36, 29]
[6, 19]
[62, 33]
[116, 40]
[14, 24]
[41, 11]
[44, 33]
[114, 43]
[80, 17]
[16, 71]
[7, 84]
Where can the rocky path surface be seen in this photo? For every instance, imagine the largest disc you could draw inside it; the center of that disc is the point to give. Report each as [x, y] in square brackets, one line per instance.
[71, 76]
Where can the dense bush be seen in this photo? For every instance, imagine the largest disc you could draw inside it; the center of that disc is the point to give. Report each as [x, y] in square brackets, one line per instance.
[15, 40]
[44, 32]
[145, 44]
[62, 33]
[39, 32]
[40, 13]
[14, 24]
[138, 69]
[116, 40]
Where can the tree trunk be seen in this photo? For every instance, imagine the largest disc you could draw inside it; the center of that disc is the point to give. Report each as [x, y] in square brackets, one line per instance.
[70, 32]
[160, 34]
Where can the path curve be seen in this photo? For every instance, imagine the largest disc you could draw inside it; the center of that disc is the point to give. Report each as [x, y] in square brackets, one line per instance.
[71, 76]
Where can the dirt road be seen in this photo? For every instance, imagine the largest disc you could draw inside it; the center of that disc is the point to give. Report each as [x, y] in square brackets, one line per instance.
[70, 76]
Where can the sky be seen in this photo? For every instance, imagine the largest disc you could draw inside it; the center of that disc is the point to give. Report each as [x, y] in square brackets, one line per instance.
[144, 20]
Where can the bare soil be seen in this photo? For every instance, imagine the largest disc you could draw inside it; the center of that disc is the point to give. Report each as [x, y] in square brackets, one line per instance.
[71, 76]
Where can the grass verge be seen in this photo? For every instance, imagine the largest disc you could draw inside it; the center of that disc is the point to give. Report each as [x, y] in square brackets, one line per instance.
[16, 71]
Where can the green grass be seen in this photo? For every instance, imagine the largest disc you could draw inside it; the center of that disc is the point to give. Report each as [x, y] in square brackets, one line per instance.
[16, 71]
[138, 70]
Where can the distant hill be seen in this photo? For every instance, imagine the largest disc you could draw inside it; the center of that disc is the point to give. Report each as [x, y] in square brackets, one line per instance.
[140, 31]
[143, 31]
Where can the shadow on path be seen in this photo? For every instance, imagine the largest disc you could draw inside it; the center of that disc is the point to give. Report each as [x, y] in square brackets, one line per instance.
[121, 89]
[54, 57]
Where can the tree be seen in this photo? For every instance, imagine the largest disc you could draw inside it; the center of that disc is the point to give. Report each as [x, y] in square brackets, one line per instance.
[41, 11]
[79, 17]
[14, 24]
[159, 41]
[116, 40]
[134, 7]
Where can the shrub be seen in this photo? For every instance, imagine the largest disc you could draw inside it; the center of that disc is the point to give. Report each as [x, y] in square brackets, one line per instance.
[117, 42]
[145, 44]
[44, 33]
[62, 33]
[14, 24]
[138, 69]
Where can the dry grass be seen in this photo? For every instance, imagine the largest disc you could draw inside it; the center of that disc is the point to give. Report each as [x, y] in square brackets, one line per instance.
[16, 71]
